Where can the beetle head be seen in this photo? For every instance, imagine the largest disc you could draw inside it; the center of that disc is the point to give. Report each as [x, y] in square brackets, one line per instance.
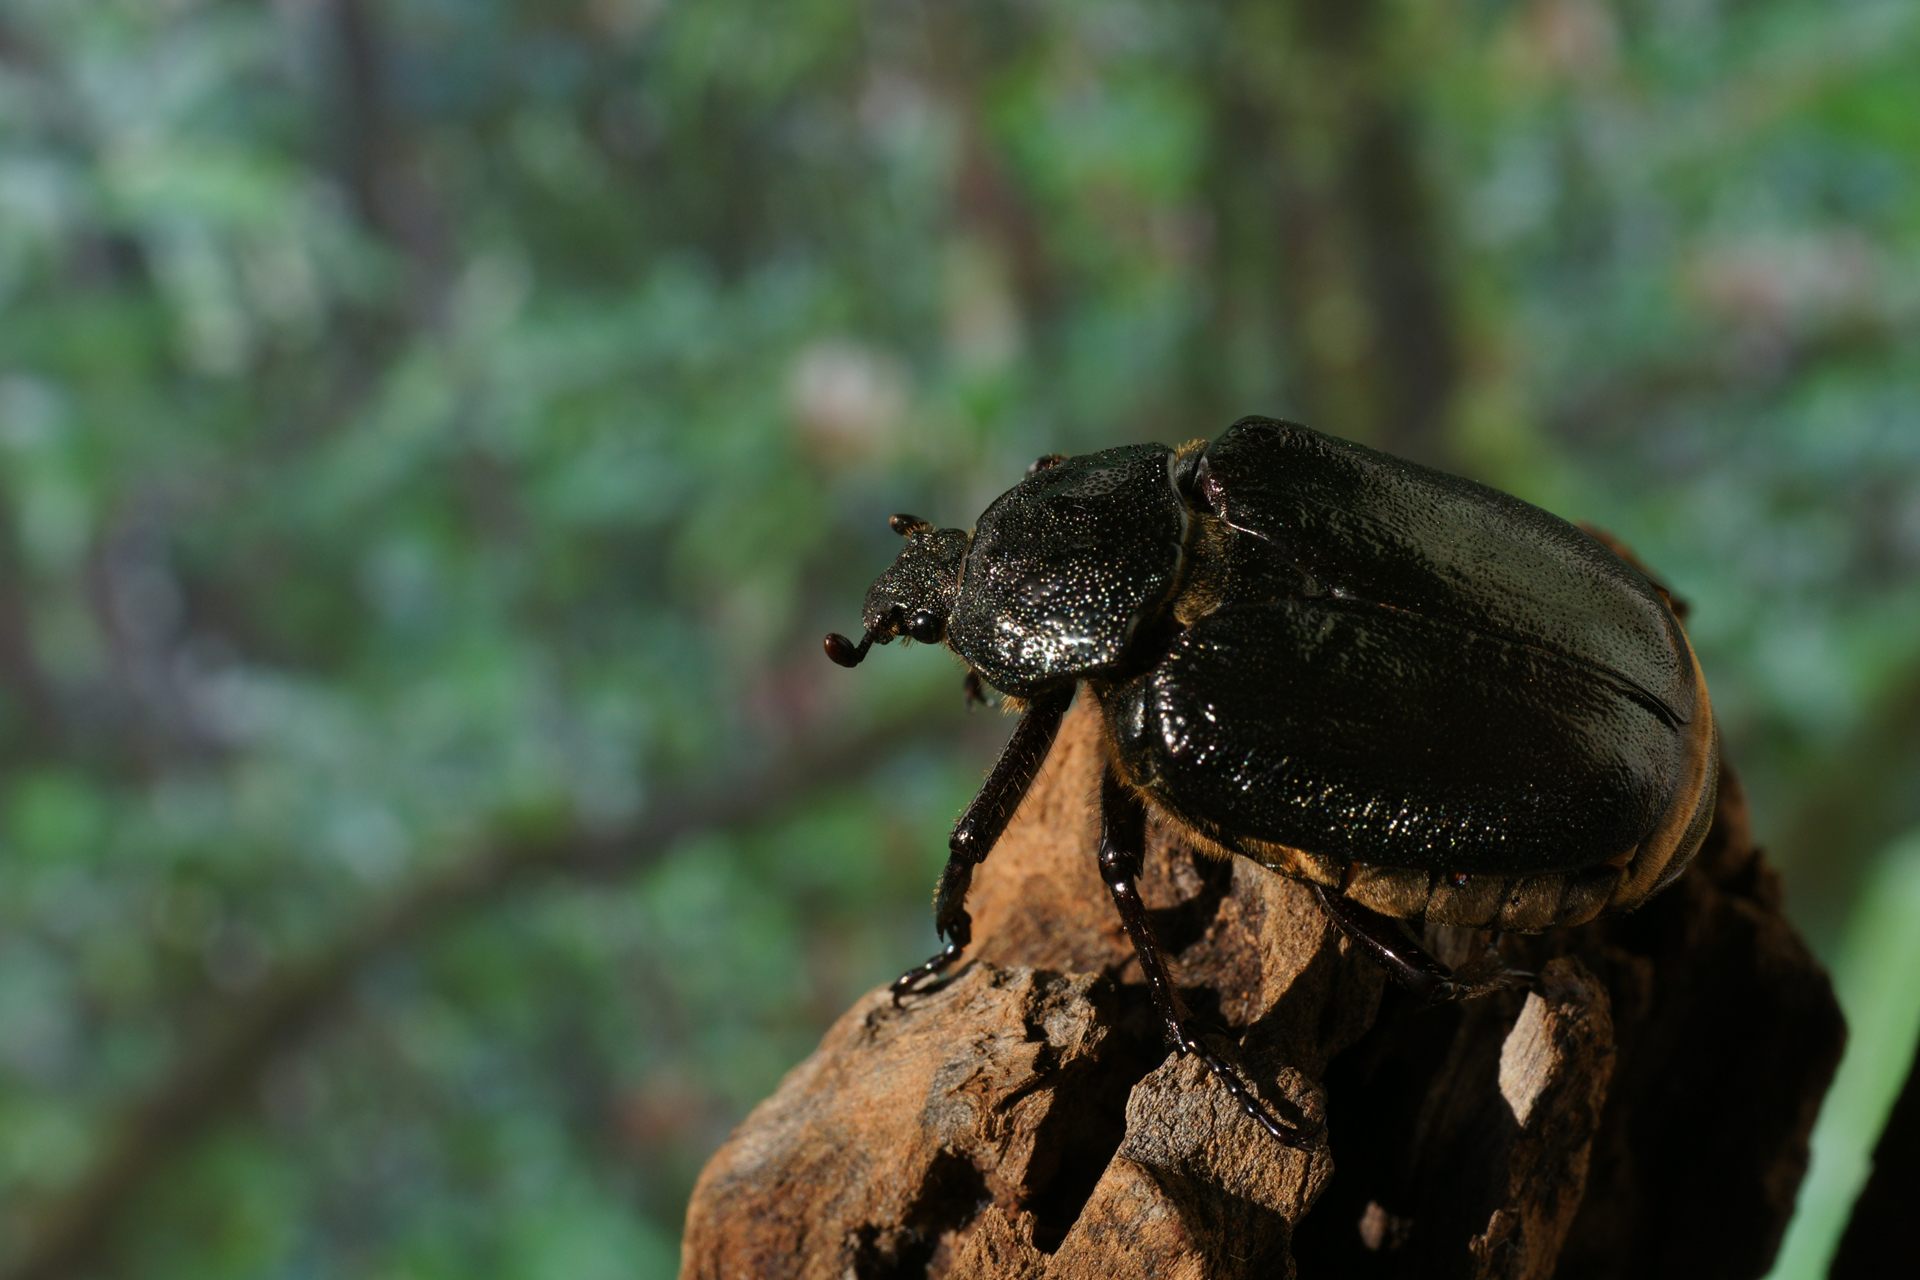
[914, 597]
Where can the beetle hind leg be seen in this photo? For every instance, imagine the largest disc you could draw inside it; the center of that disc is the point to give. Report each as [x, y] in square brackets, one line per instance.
[1405, 961]
[1123, 842]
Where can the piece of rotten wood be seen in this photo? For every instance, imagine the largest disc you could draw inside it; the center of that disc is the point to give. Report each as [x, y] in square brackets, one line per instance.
[1726, 1035]
[1489, 1173]
[1729, 1035]
[1555, 1065]
[884, 1143]
[884, 1153]
[1026, 1120]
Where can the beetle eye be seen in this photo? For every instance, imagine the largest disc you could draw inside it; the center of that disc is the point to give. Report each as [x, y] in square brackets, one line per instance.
[904, 524]
[1046, 460]
[924, 627]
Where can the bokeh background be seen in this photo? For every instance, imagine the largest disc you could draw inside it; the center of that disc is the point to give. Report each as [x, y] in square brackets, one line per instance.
[435, 434]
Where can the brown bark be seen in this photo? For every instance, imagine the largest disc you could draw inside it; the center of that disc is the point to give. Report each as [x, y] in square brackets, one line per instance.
[1642, 1110]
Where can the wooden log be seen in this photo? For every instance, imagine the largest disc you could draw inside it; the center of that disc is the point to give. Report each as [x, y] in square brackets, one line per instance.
[1644, 1106]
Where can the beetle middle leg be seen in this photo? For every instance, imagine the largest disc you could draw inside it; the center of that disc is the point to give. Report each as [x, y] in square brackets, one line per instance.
[1406, 961]
[1123, 845]
[980, 828]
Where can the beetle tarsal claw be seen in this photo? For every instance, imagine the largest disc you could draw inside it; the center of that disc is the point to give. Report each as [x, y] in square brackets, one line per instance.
[908, 983]
[1299, 1138]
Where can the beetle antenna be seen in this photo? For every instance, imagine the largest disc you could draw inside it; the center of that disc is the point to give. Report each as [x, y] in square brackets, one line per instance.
[846, 652]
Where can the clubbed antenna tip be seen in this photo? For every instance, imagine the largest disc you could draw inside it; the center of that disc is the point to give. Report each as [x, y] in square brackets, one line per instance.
[846, 652]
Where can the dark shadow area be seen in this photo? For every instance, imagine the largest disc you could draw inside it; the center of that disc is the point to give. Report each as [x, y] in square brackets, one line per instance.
[1204, 884]
[1374, 1095]
[1455, 1173]
[1089, 1120]
[1727, 1033]
[953, 1195]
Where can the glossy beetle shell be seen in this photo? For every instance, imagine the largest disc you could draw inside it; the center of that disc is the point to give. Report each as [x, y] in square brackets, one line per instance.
[1412, 688]
[1065, 566]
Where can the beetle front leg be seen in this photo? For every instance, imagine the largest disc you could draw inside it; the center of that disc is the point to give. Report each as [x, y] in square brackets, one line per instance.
[980, 828]
[1123, 846]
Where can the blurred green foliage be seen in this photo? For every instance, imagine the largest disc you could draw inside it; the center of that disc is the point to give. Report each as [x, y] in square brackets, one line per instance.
[430, 424]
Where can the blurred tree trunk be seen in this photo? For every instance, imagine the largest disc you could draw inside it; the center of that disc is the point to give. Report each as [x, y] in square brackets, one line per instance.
[1317, 179]
[30, 724]
[374, 157]
[1643, 1111]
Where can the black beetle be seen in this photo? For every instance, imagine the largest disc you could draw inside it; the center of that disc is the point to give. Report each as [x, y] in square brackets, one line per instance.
[1421, 695]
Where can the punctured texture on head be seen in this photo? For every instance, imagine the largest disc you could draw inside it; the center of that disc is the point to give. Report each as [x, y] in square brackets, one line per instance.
[924, 576]
[1065, 564]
